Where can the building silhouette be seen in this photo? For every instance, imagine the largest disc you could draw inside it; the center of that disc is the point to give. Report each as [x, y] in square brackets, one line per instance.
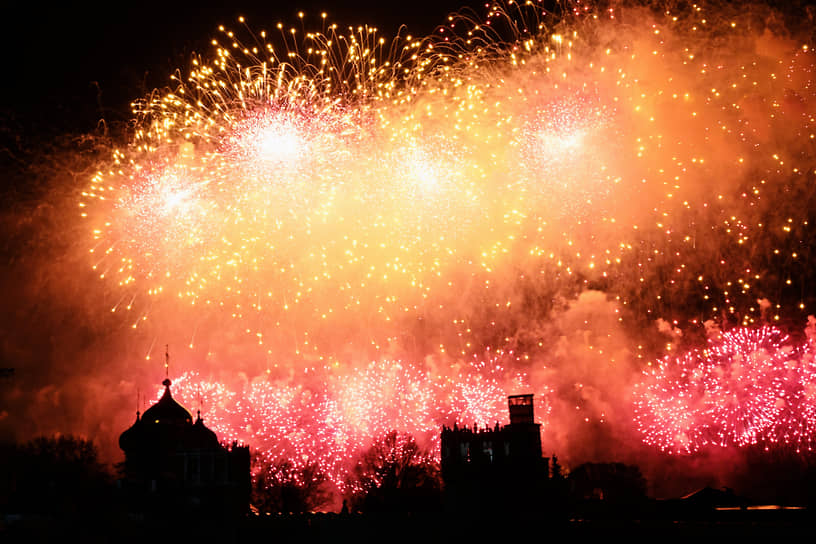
[499, 468]
[173, 464]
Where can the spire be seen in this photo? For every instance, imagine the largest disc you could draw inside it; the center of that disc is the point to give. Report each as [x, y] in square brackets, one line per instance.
[167, 362]
[166, 383]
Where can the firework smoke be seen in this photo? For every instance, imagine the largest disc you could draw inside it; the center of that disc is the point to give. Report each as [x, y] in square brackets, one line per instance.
[350, 235]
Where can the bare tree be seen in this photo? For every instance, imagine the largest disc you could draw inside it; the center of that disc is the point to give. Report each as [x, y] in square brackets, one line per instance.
[282, 487]
[395, 475]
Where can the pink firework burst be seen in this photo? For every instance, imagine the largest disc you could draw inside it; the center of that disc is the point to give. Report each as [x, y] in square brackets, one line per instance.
[330, 422]
[750, 387]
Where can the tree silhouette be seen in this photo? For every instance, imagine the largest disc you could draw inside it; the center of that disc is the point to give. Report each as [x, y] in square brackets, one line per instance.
[282, 487]
[59, 475]
[395, 475]
[556, 473]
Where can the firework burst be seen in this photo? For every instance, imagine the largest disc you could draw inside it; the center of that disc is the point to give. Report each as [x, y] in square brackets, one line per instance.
[331, 425]
[315, 201]
[747, 388]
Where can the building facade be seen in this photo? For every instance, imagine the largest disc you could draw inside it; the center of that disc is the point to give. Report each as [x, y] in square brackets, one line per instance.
[498, 468]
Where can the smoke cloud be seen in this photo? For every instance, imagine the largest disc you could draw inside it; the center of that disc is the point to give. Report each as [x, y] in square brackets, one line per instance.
[546, 216]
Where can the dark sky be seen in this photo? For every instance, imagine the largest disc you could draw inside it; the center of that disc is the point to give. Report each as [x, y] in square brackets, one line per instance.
[69, 65]
[66, 65]
[64, 69]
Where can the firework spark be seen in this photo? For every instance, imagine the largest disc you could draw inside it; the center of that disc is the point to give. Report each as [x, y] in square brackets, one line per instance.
[747, 388]
[331, 425]
[345, 198]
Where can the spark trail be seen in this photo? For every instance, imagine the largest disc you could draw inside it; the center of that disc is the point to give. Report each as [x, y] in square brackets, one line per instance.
[299, 204]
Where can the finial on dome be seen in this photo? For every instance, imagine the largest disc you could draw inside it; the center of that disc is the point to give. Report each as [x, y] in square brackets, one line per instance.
[166, 382]
[167, 361]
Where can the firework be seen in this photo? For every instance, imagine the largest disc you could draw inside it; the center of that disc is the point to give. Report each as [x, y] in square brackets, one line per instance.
[359, 177]
[331, 425]
[750, 387]
[315, 201]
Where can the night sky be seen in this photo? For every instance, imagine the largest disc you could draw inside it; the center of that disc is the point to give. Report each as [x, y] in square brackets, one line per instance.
[70, 74]
[70, 65]
[72, 71]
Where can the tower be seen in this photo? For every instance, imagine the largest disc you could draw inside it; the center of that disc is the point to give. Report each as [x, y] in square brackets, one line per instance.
[499, 468]
[521, 409]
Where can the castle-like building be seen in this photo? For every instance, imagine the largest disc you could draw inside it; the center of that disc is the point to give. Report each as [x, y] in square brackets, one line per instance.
[173, 464]
[499, 468]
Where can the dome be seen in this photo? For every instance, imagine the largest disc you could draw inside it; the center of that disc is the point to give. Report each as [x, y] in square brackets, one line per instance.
[132, 435]
[202, 437]
[167, 410]
[166, 426]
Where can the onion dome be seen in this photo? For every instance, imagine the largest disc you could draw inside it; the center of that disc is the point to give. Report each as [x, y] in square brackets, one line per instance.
[167, 426]
[132, 435]
[167, 410]
[202, 436]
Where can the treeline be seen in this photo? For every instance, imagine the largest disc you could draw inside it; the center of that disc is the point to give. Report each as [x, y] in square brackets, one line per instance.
[59, 476]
